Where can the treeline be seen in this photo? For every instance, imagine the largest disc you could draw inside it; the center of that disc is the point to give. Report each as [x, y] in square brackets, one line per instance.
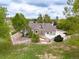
[71, 25]
[44, 19]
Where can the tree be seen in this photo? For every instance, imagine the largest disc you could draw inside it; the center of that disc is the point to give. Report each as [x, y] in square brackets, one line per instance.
[68, 10]
[2, 15]
[55, 23]
[72, 8]
[47, 19]
[20, 23]
[58, 38]
[71, 23]
[57, 17]
[4, 29]
[44, 19]
[40, 19]
[76, 7]
[63, 24]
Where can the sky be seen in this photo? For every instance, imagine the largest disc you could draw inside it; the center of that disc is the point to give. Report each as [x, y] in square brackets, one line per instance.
[32, 8]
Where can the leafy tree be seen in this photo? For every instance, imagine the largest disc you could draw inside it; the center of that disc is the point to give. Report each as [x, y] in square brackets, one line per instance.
[2, 15]
[68, 10]
[63, 24]
[72, 8]
[71, 25]
[4, 29]
[20, 23]
[74, 24]
[76, 7]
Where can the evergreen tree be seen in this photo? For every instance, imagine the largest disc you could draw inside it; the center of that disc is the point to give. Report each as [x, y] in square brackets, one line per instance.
[47, 19]
[40, 19]
[44, 19]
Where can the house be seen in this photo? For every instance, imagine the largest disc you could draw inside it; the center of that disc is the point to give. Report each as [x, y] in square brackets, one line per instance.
[43, 28]
[47, 30]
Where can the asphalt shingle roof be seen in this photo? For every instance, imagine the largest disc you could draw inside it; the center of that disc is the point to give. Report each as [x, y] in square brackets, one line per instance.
[45, 27]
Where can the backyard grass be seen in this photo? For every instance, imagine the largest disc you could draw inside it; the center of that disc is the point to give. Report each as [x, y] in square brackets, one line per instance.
[68, 49]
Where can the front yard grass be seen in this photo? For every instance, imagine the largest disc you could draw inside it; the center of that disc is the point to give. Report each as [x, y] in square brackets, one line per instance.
[68, 49]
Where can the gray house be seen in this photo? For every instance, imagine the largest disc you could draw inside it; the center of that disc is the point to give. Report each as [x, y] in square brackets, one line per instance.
[42, 28]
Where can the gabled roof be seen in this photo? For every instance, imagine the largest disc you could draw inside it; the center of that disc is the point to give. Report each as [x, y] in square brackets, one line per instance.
[46, 27]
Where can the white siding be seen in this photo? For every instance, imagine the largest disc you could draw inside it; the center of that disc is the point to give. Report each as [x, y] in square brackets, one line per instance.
[54, 34]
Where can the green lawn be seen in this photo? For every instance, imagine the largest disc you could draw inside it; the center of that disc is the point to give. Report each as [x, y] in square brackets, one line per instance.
[65, 50]
[22, 52]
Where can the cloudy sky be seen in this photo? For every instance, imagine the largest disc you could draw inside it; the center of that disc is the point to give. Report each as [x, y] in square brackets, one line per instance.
[32, 8]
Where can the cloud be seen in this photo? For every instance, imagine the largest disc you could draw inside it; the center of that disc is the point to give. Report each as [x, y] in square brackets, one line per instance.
[19, 1]
[27, 9]
[60, 2]
[32, 8]
[39, 4]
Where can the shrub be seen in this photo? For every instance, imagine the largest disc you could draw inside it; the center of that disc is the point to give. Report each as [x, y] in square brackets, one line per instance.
[58, 38]
[29, 34]
[35, 38]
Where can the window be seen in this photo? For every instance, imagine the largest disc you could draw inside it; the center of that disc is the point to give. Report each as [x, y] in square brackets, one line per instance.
[36, 31]
[47, 32]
